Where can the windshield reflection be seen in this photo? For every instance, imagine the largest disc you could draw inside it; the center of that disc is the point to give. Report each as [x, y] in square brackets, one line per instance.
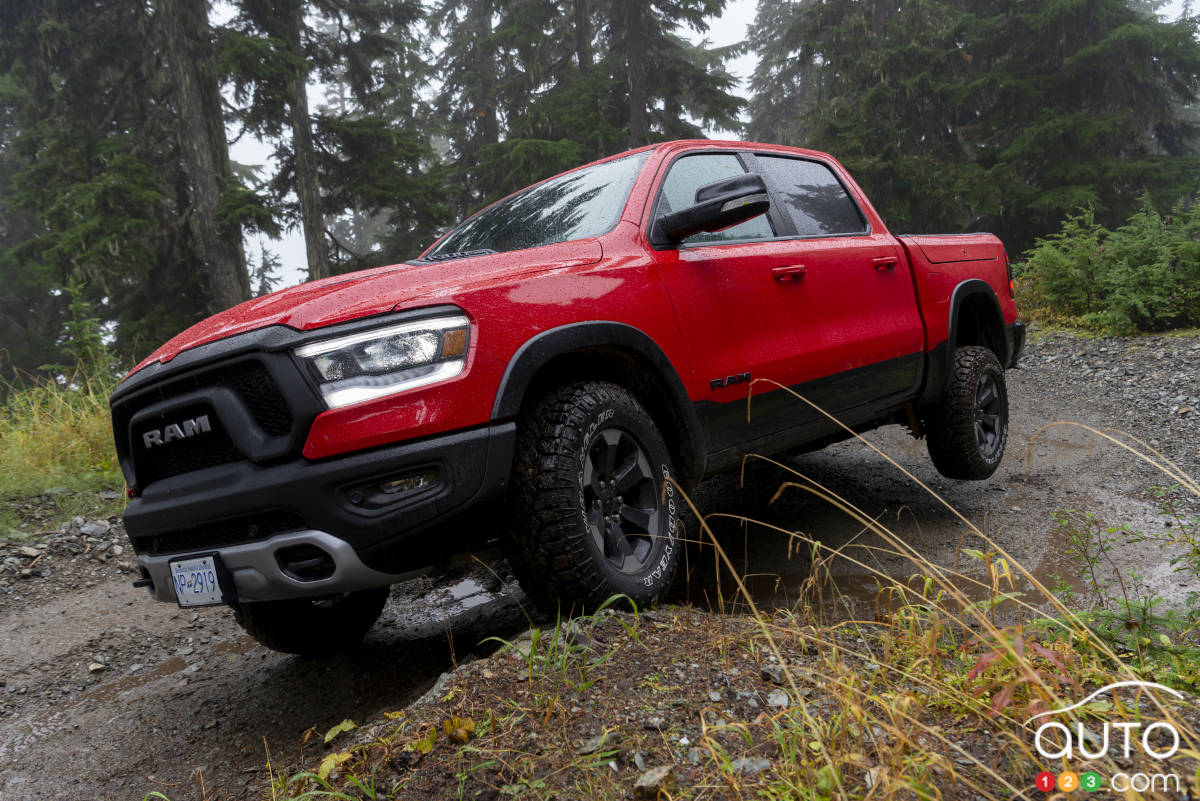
[581, 204]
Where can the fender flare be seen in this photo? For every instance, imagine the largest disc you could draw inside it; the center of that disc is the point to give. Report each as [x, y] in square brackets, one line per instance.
[541, 348]
[941, 365]
[969, 289]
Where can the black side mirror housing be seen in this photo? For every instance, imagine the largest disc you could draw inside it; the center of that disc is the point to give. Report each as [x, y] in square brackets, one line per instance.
[718, 205]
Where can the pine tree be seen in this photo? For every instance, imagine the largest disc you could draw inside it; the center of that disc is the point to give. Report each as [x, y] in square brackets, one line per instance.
[1080, 104]
[95, 193]
[880, 84]
[531, 88]
[349, 157]
[996, 114]
[205, 152]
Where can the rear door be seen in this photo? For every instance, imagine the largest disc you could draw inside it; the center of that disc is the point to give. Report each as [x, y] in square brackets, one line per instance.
[808, 296]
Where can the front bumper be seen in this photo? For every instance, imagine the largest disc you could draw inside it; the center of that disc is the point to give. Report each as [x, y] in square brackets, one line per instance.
[254, 516]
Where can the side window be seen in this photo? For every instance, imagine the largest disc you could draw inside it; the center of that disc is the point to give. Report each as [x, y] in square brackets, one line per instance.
[692, 172]
[813, 197]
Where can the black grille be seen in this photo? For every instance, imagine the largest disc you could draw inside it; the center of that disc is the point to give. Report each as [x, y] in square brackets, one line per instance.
[252, 382]
[200, 450]
[248, 379]
[233, 531]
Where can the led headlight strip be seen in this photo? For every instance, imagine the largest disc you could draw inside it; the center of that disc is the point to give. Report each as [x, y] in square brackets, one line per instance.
[383, 361]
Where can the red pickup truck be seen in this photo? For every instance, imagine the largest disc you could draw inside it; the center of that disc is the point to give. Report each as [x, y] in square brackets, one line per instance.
[548, 376]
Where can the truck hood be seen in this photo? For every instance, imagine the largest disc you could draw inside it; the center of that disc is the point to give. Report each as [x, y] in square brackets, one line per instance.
[352, 296]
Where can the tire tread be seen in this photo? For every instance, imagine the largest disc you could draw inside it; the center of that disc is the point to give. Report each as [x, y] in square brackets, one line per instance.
[547, 550]
[950, 426]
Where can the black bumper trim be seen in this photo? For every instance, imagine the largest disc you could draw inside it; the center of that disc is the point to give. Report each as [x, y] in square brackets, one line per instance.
[471, 467]
[1015, 334]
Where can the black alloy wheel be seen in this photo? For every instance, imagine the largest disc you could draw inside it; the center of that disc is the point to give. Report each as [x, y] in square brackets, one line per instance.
[620, 495]
[593, 510]
[990, 416]
[968, 428]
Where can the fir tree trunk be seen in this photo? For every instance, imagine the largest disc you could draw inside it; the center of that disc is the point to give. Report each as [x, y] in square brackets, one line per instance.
[485, 106]
[204, 149]
[639, 133]
[583, 37]
[308, 187]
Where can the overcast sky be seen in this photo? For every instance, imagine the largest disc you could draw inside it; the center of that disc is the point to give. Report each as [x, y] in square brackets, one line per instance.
[729, 28]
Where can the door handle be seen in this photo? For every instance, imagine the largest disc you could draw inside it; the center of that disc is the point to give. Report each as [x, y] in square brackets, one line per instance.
[792, 272]
[885, 263]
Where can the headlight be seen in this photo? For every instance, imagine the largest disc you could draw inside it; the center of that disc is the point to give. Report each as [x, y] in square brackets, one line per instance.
[384, 361]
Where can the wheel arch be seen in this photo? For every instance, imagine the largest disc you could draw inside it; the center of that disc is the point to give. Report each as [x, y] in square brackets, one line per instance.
[608, 351]
[976, 319]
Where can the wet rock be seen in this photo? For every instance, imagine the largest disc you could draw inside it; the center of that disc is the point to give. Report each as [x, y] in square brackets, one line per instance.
[435, 693]
[95, 528]
[594, 744]
[656, 781]
[750, 766]
[97, 667]
[778, 699]
[714, 696]
[774, 673]
[693, 756]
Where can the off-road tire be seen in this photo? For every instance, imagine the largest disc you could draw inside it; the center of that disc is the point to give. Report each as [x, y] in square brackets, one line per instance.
[968, 430]
[312, 626]
[574, 543]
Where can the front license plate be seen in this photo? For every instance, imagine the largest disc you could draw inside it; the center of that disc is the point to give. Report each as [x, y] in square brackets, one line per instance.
[197, 582]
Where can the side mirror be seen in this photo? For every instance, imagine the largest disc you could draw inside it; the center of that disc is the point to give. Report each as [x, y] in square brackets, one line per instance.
[718, 205]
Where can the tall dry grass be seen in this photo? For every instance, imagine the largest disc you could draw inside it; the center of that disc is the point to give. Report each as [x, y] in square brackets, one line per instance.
[55, 434]
[929, 697]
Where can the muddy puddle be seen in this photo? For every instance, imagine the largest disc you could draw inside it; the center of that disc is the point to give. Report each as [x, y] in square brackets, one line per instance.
[796, 544]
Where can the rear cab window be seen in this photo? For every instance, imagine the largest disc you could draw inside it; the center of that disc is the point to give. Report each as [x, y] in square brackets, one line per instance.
[812, 197]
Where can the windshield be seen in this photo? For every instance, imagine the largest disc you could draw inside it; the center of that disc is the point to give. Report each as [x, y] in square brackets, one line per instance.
[578, 205]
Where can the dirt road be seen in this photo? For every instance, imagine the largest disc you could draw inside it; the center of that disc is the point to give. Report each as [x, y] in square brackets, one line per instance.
[106, 695]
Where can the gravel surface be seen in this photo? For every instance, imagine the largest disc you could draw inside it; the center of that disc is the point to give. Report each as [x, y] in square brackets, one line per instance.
[107, 695]
[1148, 386]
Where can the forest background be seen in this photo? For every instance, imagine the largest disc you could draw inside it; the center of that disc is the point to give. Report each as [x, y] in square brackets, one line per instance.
[1067, 127]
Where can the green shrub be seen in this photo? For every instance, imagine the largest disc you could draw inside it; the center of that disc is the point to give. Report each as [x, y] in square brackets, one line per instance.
[1144, 276]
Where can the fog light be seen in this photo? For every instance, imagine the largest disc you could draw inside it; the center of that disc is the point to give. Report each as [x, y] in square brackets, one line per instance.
[411, 483]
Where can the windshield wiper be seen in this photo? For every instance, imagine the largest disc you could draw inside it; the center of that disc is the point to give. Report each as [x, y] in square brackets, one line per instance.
[458, 254]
